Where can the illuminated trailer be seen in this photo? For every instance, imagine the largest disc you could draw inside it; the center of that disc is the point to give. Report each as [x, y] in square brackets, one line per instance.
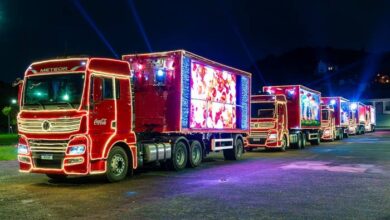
[289, 116]
[371, 118]
[85, 116]
[358, 118]
[334, 121]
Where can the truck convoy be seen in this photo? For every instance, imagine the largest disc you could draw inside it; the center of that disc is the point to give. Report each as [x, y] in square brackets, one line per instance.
[334, 121]
[84, 116]
[288, 116]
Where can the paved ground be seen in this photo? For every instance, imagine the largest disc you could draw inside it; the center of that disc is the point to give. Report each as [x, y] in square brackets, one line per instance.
[342, 180]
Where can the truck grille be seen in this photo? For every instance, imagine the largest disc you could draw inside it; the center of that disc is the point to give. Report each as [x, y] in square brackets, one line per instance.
[257, 138]
[55, 149]
[48, 146]
[50, 125]
[262, 124]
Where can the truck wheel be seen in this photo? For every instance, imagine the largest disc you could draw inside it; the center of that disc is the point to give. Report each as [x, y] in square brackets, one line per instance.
[236, 152]
[179, 156]
[284, 143]
[298, 144]
[303, 142]
[345, 135]
[57, 177]
[195, 154]
[117, 164]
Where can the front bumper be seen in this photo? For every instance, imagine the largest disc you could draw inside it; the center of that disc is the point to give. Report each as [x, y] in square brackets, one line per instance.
[261, 141]
[52, 156]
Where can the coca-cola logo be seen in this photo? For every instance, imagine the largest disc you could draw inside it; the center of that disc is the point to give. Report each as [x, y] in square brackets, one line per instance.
[102, 121]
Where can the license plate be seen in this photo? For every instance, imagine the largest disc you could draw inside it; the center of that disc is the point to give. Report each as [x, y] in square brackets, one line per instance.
[256, 139]
[47, 157]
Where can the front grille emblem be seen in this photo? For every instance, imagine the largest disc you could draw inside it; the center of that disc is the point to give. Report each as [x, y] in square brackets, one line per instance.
[46, 125]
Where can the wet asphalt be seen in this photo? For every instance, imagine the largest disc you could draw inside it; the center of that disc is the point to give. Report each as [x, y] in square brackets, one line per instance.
[349, 179]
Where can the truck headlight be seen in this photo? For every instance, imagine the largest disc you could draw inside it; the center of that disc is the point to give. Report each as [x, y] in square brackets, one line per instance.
[76, 150]
[22, 149]
[272, 136]
[327, 132]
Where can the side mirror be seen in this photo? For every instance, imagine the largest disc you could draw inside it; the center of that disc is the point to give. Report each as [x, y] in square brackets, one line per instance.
[19, 83]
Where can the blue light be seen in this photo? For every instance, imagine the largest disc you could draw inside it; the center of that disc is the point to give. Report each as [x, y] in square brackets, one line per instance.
[160, 72]
[185, 98]
[22, 149]
[353, 106]
[244, 102]
[76, 150]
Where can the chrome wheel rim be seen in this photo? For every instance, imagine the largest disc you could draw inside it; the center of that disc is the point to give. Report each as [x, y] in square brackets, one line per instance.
[196, 154]
[118, 164]
[180, 156]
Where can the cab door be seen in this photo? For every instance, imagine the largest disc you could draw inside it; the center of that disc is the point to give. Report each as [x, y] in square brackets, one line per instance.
[102, 117]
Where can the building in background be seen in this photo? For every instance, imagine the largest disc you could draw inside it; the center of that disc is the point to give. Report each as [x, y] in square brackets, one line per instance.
[382, 106]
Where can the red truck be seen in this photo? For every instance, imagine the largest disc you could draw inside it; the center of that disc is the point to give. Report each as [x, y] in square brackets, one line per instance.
[288, 116]
[358, 118]
[371, 118]
[84, 116]
[334, 122]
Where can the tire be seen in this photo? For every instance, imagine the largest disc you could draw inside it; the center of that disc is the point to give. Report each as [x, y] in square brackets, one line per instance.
[345, 135]
[195, 154]
[57, 177]
[117, 164]
[284, 144]
[298, 144]
[179, 156]
[303, 142]
[236, 152]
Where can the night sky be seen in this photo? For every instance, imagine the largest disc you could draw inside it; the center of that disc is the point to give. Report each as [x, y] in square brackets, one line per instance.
[236, 33]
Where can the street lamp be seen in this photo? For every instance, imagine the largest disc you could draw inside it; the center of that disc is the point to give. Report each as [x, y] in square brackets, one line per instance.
[13, 102]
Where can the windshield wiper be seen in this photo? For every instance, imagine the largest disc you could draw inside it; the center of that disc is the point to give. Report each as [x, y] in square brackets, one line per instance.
[39, 103]
[70, 104]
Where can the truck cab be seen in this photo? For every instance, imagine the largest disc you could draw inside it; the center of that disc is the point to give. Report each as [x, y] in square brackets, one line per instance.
[357, 118]
[268, 122]
[328, 125]
[73, 111]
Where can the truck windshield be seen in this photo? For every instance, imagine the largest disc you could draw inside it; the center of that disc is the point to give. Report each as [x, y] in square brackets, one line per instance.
[263, 110]
[325, 115]
[54, 91]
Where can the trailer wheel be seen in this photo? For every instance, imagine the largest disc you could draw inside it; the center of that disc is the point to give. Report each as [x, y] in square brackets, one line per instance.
[284, 143]
[57, 177]
[195, 154]
[179, 156]
[117, 164]
[236, 152]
